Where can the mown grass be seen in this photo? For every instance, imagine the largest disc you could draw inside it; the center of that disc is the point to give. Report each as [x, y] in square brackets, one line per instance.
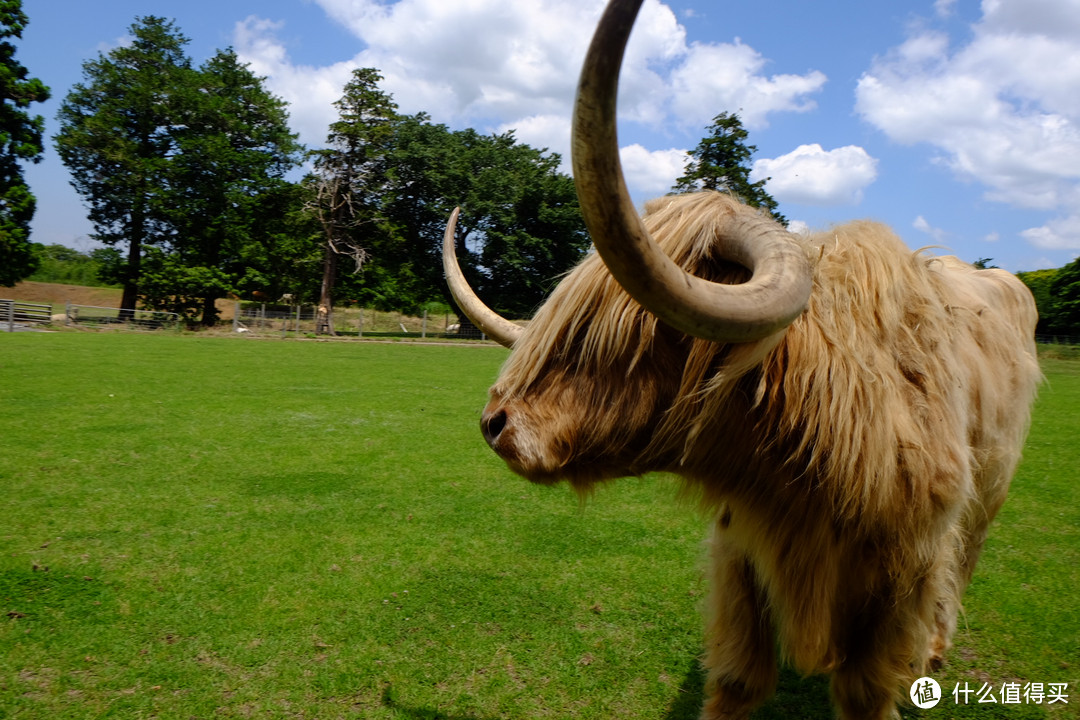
[205, 527]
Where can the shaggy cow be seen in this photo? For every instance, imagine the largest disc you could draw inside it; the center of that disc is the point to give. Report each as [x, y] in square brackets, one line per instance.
[850, 411]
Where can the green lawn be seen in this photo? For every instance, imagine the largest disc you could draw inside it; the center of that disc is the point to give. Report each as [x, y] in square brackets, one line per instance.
[204, 527]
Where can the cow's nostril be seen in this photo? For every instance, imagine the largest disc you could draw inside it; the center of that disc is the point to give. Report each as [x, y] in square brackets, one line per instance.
[492, 425]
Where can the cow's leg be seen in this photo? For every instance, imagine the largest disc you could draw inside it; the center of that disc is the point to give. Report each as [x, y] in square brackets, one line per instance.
[740, 653]
[885, 643]
[950, 580]
[967, 540]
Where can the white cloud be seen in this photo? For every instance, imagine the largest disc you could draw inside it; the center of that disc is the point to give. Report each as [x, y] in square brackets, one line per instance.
[309, 91]
[939, 236]
[652, 172]
[730, 76]
[1002, 110]
[809, 175]
[1061, 233]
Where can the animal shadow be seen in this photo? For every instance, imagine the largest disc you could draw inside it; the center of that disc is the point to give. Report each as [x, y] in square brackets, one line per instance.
[390, 703]
[796, 697]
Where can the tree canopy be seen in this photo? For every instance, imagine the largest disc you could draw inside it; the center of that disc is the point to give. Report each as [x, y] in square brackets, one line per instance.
[520, 227]
[173, 162]
[1065, 300]
[233, 150]
[721, 161]
[118, 136]
[184, 168]
[20, 141]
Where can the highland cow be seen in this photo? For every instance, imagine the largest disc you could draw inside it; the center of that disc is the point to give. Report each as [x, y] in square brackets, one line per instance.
[850, 412]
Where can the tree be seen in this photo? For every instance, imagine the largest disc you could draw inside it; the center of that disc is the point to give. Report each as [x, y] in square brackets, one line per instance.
[349, 179]
[525, 213]
[118, 138]
[1039, 282]
[233, 147]
[721, 162]
[61, 264]
[20, 141]
[1065, 303]
[520, 227]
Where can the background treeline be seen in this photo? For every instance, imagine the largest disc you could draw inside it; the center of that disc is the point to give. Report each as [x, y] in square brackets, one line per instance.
[187, 171]
[1057, 295]
[1056, 291]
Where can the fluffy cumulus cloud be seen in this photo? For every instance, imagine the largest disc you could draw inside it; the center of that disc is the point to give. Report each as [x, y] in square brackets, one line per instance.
[652, 173]
[1061, 233]
[498, 65]
[1002, 110]
[810, 175]
[731, 76]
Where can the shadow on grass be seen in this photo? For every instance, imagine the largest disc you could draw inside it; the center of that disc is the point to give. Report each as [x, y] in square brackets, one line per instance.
[805, 698]
[389, 703]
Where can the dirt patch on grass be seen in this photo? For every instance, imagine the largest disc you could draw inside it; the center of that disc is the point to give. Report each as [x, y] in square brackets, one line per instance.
[58, 295]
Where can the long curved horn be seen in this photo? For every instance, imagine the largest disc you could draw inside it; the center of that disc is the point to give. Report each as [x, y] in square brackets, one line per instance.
[779, 287]
[490, 323]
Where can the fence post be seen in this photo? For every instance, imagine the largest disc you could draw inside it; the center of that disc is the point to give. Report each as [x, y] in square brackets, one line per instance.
[423, 327]
[67, 313]
[11, 315]
[360, 324]
[236, 316]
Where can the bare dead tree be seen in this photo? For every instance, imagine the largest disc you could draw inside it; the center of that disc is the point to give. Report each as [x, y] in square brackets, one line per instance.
[333, 205]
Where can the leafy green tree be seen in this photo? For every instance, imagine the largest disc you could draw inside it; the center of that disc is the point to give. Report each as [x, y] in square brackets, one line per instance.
[721, 161]
[349, 180]
[233, 147]
[520, 227]
[1039, 283]
[527, 217]
[284, 255]
[61, 264]
[20, 141]
[1065, 302]
[118, 138]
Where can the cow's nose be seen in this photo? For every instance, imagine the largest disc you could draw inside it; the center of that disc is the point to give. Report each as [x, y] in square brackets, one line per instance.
[492, 424]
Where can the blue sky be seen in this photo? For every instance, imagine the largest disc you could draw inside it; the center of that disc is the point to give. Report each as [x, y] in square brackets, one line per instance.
[956, 122]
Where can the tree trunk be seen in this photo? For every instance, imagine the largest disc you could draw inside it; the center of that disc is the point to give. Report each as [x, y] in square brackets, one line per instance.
[209, 312]
[131, 275]
[324, 321]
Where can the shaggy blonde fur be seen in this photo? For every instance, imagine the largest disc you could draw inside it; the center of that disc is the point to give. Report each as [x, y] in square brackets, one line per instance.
[853, 461]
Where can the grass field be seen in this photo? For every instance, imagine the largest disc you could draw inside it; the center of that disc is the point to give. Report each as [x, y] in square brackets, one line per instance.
[200, 527]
